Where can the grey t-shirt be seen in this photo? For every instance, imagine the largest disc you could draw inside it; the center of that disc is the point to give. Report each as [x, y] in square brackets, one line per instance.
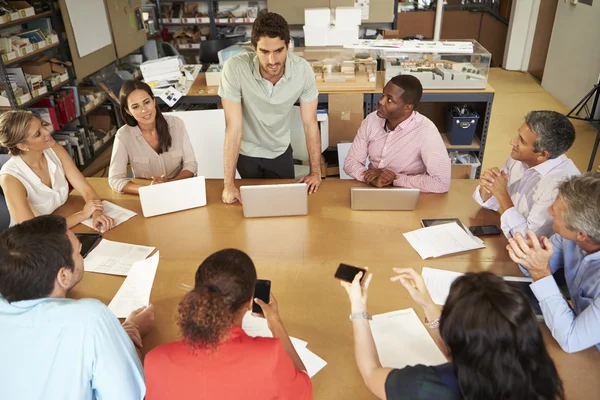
[266, 115]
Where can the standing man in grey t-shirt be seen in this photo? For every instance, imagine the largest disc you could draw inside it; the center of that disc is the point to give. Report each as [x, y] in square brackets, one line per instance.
[258, 91]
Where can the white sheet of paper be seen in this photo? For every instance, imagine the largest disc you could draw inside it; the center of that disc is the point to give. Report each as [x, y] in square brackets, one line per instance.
[438, 282]
[439, 240]
[312, 362]
[402, 340]
[89, 37]
[135, 291]
[255, 326]
[171, 96]
[115, 258]
[119, 214]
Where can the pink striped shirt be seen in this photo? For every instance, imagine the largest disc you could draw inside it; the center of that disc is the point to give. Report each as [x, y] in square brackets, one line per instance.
[414, 150]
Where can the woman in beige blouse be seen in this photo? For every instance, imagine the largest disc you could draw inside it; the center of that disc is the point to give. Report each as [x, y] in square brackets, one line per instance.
[157, 147]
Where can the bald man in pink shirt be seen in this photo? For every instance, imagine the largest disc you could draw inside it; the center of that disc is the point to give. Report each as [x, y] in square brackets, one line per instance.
[405, 149]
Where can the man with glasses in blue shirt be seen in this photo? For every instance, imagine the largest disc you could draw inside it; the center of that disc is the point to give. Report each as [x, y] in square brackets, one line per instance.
[575, 247]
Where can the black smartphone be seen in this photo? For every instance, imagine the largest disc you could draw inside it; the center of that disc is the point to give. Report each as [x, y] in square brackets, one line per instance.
[262, 290]
[347, 273]
[485, 230]
[88, 242]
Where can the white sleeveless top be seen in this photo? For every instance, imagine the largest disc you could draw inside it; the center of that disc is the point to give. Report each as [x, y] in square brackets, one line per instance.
[42, 199]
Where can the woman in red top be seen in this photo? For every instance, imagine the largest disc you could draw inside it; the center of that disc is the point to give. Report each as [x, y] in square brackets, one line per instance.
[216, 359]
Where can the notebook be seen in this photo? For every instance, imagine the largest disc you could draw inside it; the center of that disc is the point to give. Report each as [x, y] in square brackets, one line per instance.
[174, 196]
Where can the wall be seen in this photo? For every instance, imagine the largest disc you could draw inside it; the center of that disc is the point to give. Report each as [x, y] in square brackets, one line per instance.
[573, 63]
[520, 34]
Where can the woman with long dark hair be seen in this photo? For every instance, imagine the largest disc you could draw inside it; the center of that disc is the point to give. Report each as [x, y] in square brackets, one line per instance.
[488, 331]
[156, 146]
[216, 359]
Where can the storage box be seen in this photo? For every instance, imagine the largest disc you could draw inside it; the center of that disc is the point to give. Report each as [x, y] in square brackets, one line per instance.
[347, 16]
[42, 68]
[461, 129]
[315, 36]
[101, 119]
[464, 170]
[342, 35]
[346, 113]
[213, 75]
[24, 10]
[317, 17]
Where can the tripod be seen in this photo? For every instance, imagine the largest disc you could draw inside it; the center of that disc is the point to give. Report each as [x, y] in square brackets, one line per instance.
[589, 117]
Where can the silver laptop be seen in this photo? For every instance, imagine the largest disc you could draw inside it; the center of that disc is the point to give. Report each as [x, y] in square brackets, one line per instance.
[174, 196]
[274, 200]
[402, 199]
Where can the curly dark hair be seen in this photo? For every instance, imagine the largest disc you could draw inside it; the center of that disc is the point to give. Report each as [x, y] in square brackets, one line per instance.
[224, 285]
[495, 342]
[271, 25]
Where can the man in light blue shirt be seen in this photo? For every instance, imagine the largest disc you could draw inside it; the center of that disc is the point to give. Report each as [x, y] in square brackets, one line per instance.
[52, 347]
[527, 185]
[576, 247]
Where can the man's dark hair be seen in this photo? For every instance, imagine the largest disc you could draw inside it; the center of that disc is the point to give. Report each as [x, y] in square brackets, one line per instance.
[271, 25]
[555, 132]
[31, 254]
[413, 90]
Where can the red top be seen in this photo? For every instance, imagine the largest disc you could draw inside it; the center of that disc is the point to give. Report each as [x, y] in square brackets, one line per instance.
[243, 367]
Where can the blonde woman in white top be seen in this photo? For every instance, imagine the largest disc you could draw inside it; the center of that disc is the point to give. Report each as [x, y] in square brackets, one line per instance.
[157, 147]
[36, 179]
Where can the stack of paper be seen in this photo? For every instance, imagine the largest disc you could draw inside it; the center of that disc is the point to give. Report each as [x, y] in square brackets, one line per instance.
[135, 291]
[163, 69]
[119, 214]
[115, 258]
[402, 340]
[254, 326]
[439, 240]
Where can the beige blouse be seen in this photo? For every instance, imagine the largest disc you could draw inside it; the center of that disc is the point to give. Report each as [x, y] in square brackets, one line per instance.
[130, 147]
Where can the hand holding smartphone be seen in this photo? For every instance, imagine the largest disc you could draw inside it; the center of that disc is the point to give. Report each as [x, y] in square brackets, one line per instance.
[347, 273]
[262, 291]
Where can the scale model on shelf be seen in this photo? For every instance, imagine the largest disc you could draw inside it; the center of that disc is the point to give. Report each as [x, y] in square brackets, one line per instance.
[438, 65]
[343, 69]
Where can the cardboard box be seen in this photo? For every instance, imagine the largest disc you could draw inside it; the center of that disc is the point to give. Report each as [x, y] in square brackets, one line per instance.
[342, 35]
[317, 17]
[391, 34]
[101, 119]
[42, 68]
[347, 16]
[24, 10]
[315, 36]
[4, 102]
[346, 113]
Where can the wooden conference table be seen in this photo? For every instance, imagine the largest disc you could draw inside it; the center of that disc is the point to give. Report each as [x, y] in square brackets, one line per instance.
[300, 255]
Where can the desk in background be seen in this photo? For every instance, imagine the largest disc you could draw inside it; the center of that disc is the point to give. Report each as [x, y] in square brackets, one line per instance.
[433, 105]
[300, 255]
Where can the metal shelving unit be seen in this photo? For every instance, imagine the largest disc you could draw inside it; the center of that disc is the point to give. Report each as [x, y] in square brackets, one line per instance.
[62, 49]
[213, 7]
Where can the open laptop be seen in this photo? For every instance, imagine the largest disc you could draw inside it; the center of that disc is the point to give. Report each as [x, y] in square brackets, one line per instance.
[362, 198]
[274, 200]
[174, 196]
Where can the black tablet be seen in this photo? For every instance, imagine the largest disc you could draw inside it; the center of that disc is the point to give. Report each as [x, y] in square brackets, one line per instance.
[441, 221]
[88, 242]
